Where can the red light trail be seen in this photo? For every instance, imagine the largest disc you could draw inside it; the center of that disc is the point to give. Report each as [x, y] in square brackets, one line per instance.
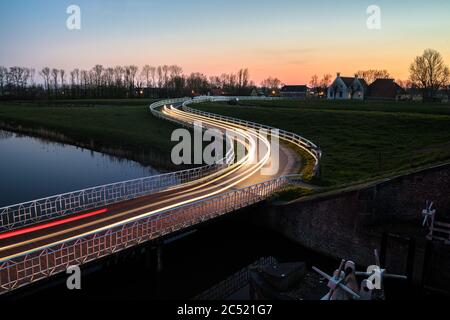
[19, 232]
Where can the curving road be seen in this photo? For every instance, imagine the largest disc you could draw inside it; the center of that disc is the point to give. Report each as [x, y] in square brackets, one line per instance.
[244, 172]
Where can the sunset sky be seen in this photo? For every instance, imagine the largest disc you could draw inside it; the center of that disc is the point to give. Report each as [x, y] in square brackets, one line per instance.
[289, 39]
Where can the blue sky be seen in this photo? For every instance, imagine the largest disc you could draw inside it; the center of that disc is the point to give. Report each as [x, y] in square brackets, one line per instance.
[291, 39]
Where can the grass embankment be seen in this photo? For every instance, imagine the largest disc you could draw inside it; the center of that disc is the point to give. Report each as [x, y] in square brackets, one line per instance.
[85, 103]
[120, 127]
[360, 141]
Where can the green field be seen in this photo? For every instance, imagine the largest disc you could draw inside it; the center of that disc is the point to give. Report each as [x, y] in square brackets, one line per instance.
[98, 124]
[360, 141]
[380, 106]
[85, 103]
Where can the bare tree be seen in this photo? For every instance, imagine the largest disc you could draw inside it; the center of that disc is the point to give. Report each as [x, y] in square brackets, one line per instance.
[85, 81]
[118, 76]
[405, 84]
[271, 83]
[97, 78]
[175, 71]
[153, 76]
[54, 75]
[45, 74]
[119, 81]
[146, 75]
[32, 73]
[371, 75]
[62, 75]
[159, 72]
[75, 82]
[197, 83]
[176, 81]
[109, 77]
[214, 82]
[98, 72]
[165, 75]
[133, 72]
[314, 84]
[3, 74]
[429, 73]
[16, 75]
[325, 83]
[245, 78]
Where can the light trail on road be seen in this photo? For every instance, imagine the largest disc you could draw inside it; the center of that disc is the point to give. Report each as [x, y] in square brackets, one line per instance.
[61, 231]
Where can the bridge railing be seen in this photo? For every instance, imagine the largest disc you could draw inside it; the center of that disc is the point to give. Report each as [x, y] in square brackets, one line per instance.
[298, 140]
[19, 271]
[40, 210]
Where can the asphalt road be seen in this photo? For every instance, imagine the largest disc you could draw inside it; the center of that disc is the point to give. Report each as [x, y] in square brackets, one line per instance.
[240, 175]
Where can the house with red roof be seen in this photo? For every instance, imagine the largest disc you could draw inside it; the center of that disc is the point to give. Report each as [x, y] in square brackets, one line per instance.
[385, 89]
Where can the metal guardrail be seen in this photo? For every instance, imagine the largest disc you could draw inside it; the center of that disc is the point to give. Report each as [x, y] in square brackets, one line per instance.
[18, 271]
[298, 140]
[22, 270]
[40, 210]
[439, 231]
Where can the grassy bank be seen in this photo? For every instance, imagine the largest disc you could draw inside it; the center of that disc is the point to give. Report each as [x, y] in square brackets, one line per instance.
[105, 125]
[360, 141]
[84, 103]
[368, 106]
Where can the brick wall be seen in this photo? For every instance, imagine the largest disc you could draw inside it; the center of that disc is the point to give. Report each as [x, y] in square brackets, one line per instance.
[349, 223]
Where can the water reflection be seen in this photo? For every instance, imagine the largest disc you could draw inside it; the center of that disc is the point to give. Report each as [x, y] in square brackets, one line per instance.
[32, 168]
[5, 134]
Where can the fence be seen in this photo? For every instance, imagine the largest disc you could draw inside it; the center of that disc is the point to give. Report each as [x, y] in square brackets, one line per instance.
[19, 271]
[25, 268]
[296, 139]
[439, 231]
[40, 210]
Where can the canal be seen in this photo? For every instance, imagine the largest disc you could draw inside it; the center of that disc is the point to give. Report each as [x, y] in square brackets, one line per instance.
[33, 168]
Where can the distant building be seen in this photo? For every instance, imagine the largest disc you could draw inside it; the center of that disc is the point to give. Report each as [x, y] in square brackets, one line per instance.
[385, 89]
[217, 92]
[346, 88]
[258, 92]
[297, 91]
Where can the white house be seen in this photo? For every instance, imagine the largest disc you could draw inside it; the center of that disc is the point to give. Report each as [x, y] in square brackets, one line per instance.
[345, 88]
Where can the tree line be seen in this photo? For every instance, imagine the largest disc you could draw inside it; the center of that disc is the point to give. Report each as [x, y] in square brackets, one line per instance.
[428, 74]
[128, 81]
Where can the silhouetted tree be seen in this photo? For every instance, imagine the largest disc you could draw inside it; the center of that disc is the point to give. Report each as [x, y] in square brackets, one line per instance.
[429, 73]
[371, 75]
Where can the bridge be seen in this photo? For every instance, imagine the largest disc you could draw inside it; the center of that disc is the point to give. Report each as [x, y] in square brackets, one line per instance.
[41, 238]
